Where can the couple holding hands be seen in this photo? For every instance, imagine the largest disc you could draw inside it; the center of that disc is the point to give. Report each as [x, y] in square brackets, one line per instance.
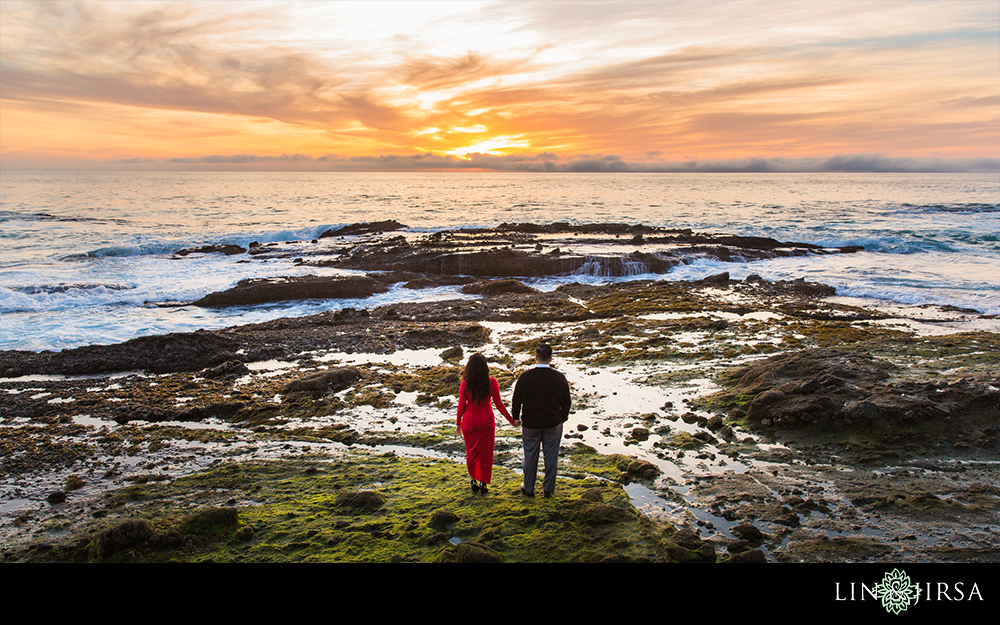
[540, 406]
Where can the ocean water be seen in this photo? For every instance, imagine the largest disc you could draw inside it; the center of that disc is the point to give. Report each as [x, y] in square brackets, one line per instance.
[87, 257]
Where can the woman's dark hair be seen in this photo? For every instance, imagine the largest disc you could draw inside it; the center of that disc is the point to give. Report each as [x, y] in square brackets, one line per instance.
[477, 378]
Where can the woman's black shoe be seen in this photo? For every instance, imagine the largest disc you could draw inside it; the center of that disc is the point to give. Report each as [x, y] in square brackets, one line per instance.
[475, 487]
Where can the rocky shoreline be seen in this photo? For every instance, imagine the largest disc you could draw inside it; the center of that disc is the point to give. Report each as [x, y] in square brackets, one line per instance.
[715, 420]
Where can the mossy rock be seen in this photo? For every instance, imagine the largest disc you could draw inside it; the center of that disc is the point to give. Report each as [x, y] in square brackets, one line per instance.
[372, 508]
[211, 521]
[443, 518]
[470, 553]
[362, 501]
[124, 536]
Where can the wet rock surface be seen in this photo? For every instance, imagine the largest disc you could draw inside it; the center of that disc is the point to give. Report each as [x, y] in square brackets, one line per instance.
[755, 420]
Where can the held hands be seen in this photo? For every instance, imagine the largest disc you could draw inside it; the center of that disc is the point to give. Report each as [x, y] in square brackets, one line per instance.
[517, 423]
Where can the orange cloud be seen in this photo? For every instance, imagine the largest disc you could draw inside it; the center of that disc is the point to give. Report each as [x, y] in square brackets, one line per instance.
[110, 82]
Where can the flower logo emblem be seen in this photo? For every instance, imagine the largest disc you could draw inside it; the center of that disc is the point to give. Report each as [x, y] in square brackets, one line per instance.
[896, 591]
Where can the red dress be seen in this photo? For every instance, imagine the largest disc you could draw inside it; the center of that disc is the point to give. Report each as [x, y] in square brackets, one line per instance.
[478, 427]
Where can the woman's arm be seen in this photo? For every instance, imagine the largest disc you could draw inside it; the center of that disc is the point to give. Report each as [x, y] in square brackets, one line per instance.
[462, 401]
[498, 401]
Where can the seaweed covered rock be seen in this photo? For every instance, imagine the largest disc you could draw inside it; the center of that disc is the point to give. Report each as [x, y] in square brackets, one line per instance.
[856, 391]
[228, 369]
[360, 501]
[642, 469]
[471, 553]
[329, 381]
[833, 366]
[125, 535]
[443, 518]
[686, 546]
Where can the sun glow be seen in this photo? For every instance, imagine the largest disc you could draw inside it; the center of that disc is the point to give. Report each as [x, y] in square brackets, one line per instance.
[495, 146]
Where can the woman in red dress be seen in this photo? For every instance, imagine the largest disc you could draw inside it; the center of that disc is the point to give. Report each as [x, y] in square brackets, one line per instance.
[476, 422]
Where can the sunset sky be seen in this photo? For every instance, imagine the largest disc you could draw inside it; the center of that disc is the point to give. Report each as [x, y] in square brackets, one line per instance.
[541, 85]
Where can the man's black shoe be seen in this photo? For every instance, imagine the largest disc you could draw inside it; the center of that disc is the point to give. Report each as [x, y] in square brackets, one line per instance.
[526, 493]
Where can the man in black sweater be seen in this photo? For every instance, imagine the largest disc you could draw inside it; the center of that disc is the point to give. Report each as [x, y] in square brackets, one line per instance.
[541, 406]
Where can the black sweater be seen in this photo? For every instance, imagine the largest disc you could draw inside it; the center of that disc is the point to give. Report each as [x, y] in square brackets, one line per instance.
[541, 398]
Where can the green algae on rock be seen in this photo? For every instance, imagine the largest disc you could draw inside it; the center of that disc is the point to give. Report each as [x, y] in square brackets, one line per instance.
[366, 508]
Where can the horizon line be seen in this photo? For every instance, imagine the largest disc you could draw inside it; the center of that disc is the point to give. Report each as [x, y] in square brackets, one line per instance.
[546, 162]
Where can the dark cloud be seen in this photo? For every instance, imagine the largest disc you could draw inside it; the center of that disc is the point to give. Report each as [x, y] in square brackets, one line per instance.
[593, 163]
[879, 163]
[241, 159]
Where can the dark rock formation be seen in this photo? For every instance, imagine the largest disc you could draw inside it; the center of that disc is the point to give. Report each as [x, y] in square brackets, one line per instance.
[749, 557]
[266, 290]
[364, 228]
[719, 278]
[496, 287]
[182, 351]
[228, 250]
[398, 255]
[747, 532]
[228, 369]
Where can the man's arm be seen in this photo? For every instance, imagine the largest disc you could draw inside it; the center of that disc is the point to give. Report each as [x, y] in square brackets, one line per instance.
[565, 402]
[515, 402]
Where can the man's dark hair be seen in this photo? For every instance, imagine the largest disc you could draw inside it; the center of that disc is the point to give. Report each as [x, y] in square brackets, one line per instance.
[543, 352]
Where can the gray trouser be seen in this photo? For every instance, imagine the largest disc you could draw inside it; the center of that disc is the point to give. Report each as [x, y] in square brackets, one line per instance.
[548, 439]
